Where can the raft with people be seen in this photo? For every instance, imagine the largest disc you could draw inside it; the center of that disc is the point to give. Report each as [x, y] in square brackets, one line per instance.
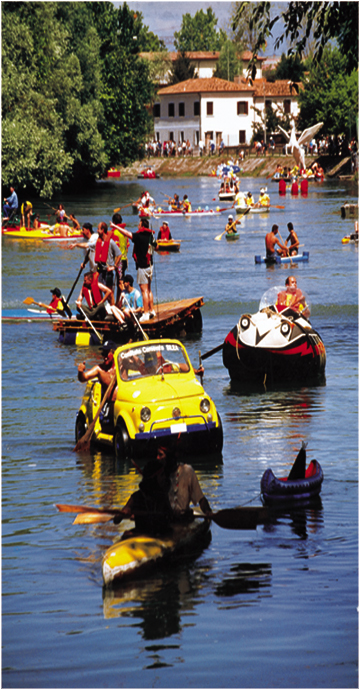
[277, 344]
[57, 232]
[277, 259]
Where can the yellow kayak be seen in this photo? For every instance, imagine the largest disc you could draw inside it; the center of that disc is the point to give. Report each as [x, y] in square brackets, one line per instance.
[134, 555]
[168, 245]
[45, 232]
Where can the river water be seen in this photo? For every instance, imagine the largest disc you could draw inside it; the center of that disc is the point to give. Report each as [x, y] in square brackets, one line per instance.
[276, 607]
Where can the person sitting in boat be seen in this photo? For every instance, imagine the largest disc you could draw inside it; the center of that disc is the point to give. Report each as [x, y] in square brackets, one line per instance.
[231, 225]
[184, 486]
[75, 223]
[37, 222]
[186, 205]
[292, 297]
[164, 232]
[149, 506]
[99, 298]
[271, 240]
[58, 304]
[175, 203]
[249, 199]
[293, 248]
[240, 200]
[26, 213]
[264, 199]
[131, 305]
[103, 372]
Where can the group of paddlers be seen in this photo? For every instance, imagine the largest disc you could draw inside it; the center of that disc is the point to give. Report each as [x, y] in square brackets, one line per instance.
[146, 204]
[285, 249]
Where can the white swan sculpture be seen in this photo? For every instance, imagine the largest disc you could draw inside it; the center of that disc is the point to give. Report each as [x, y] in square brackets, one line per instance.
[297, 144]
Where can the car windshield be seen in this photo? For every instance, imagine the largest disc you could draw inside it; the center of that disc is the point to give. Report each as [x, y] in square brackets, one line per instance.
[147, 360]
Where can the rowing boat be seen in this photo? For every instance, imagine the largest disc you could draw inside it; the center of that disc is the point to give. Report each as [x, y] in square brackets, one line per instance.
[227, 196]
[45, 232]
[282, 259]
[177, 214]
[135, 555]
[168, 245]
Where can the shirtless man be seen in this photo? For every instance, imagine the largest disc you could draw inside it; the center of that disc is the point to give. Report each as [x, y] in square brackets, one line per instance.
[104, 372]
[293, 239]
[292, 297]
[271, 240]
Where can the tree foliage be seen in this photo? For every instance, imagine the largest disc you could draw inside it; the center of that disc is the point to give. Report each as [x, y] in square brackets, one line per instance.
[324, 21]
[199, 32]
[182, 69]
[74, 91]
[330, 96]
[229, 64]
[290, 67]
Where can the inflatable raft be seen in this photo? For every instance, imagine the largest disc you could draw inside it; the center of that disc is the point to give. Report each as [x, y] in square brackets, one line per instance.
[282, 259]
[278, 491]
[132, 556]
[45, 232]
[168, 245]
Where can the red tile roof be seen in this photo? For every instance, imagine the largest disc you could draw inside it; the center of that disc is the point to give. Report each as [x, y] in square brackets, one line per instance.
[281, 87]
[211, 84]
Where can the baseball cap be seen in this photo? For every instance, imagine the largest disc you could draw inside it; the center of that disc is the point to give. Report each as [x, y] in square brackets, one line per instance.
[56, 291]
[108, 346]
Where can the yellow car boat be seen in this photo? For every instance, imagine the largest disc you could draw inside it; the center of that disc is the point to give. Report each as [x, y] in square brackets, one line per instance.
[45, 232]
[158, 399]
[133, 556]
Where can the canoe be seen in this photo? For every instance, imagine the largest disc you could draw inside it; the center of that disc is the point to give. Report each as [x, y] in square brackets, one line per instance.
[197, 213]
[274, 348]
[131, 557]
[113, 173]
[253, 209]
[232, 235]
[26, 316]
[282, 259]
[278, 491]
[354, 237]
[148, 175]
[43, 233]
[168, 245]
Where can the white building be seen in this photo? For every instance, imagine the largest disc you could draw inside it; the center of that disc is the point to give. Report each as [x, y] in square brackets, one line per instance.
[211, 108]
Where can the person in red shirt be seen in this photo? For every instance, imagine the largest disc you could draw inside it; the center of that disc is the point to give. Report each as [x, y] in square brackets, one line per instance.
[164, 232]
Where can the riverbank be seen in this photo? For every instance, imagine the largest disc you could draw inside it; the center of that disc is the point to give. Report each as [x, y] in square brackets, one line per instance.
[252, 166]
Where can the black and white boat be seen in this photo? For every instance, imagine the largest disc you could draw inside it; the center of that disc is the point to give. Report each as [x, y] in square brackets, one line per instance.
[274, 347]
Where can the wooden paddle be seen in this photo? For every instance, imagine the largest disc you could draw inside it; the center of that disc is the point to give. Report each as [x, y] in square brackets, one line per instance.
[229, 518]
[213, 351]
[116, 210]
[83, 444]
[78, 275]
[237, 220]
[101, 337]
[30, 300]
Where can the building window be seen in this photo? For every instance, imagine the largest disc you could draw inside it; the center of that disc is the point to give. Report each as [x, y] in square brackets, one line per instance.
[242, 108]
[209, 108]
[242, 136]
[171, 136]
[181, 109]
[171, 110]
[197, 138]
[196, 108]
[287, 107]
[156, 110]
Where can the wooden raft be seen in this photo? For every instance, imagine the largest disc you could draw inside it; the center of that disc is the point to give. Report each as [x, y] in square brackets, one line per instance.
[172, 318]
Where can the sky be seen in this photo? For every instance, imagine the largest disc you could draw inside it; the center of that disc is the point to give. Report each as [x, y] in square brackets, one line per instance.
[165, 17]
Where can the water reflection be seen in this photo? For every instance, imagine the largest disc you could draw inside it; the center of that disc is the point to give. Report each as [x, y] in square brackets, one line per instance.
[302, 518]
[245, 581]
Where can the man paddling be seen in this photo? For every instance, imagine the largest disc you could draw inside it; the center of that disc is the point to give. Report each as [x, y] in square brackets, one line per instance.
[103, 372]
[184, 486]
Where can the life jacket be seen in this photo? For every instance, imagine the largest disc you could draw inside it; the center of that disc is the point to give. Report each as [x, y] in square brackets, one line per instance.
[150, 247]
[102, 249]
[165, 233]
[57, 304]
[93, 295]
[187, 206]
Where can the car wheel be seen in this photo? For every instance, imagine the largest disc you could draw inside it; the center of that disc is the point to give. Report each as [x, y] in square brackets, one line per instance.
[121, 442]
[219, 436]
[80, 426]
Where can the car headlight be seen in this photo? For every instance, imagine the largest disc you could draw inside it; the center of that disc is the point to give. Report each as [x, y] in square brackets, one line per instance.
[176, 412]
[285, 329]
[205, 405]
[145, 414]
[244, 323]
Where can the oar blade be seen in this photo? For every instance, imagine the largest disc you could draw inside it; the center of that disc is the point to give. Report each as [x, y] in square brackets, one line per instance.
[92, 518]
[29, 300]
[240, 518]
[67, 508]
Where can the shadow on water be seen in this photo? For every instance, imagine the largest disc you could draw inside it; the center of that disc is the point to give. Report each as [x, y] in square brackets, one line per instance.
[304, 518]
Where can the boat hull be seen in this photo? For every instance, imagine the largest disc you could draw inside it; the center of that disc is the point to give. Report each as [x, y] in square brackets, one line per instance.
[232, 235]
[298, 258]
[226, 196]
[253, 209]
[132, 557]
[44, 233]
[168, 245]
[271, 348]
[280, 491]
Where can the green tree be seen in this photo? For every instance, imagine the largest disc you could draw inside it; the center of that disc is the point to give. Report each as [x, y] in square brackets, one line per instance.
[290, 67]
[330, 96]
[199, 32]
[322, 21]
[181, 69]
[229, 64]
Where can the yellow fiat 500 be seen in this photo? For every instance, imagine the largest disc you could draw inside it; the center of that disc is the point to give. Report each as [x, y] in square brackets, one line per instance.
[158, 400]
